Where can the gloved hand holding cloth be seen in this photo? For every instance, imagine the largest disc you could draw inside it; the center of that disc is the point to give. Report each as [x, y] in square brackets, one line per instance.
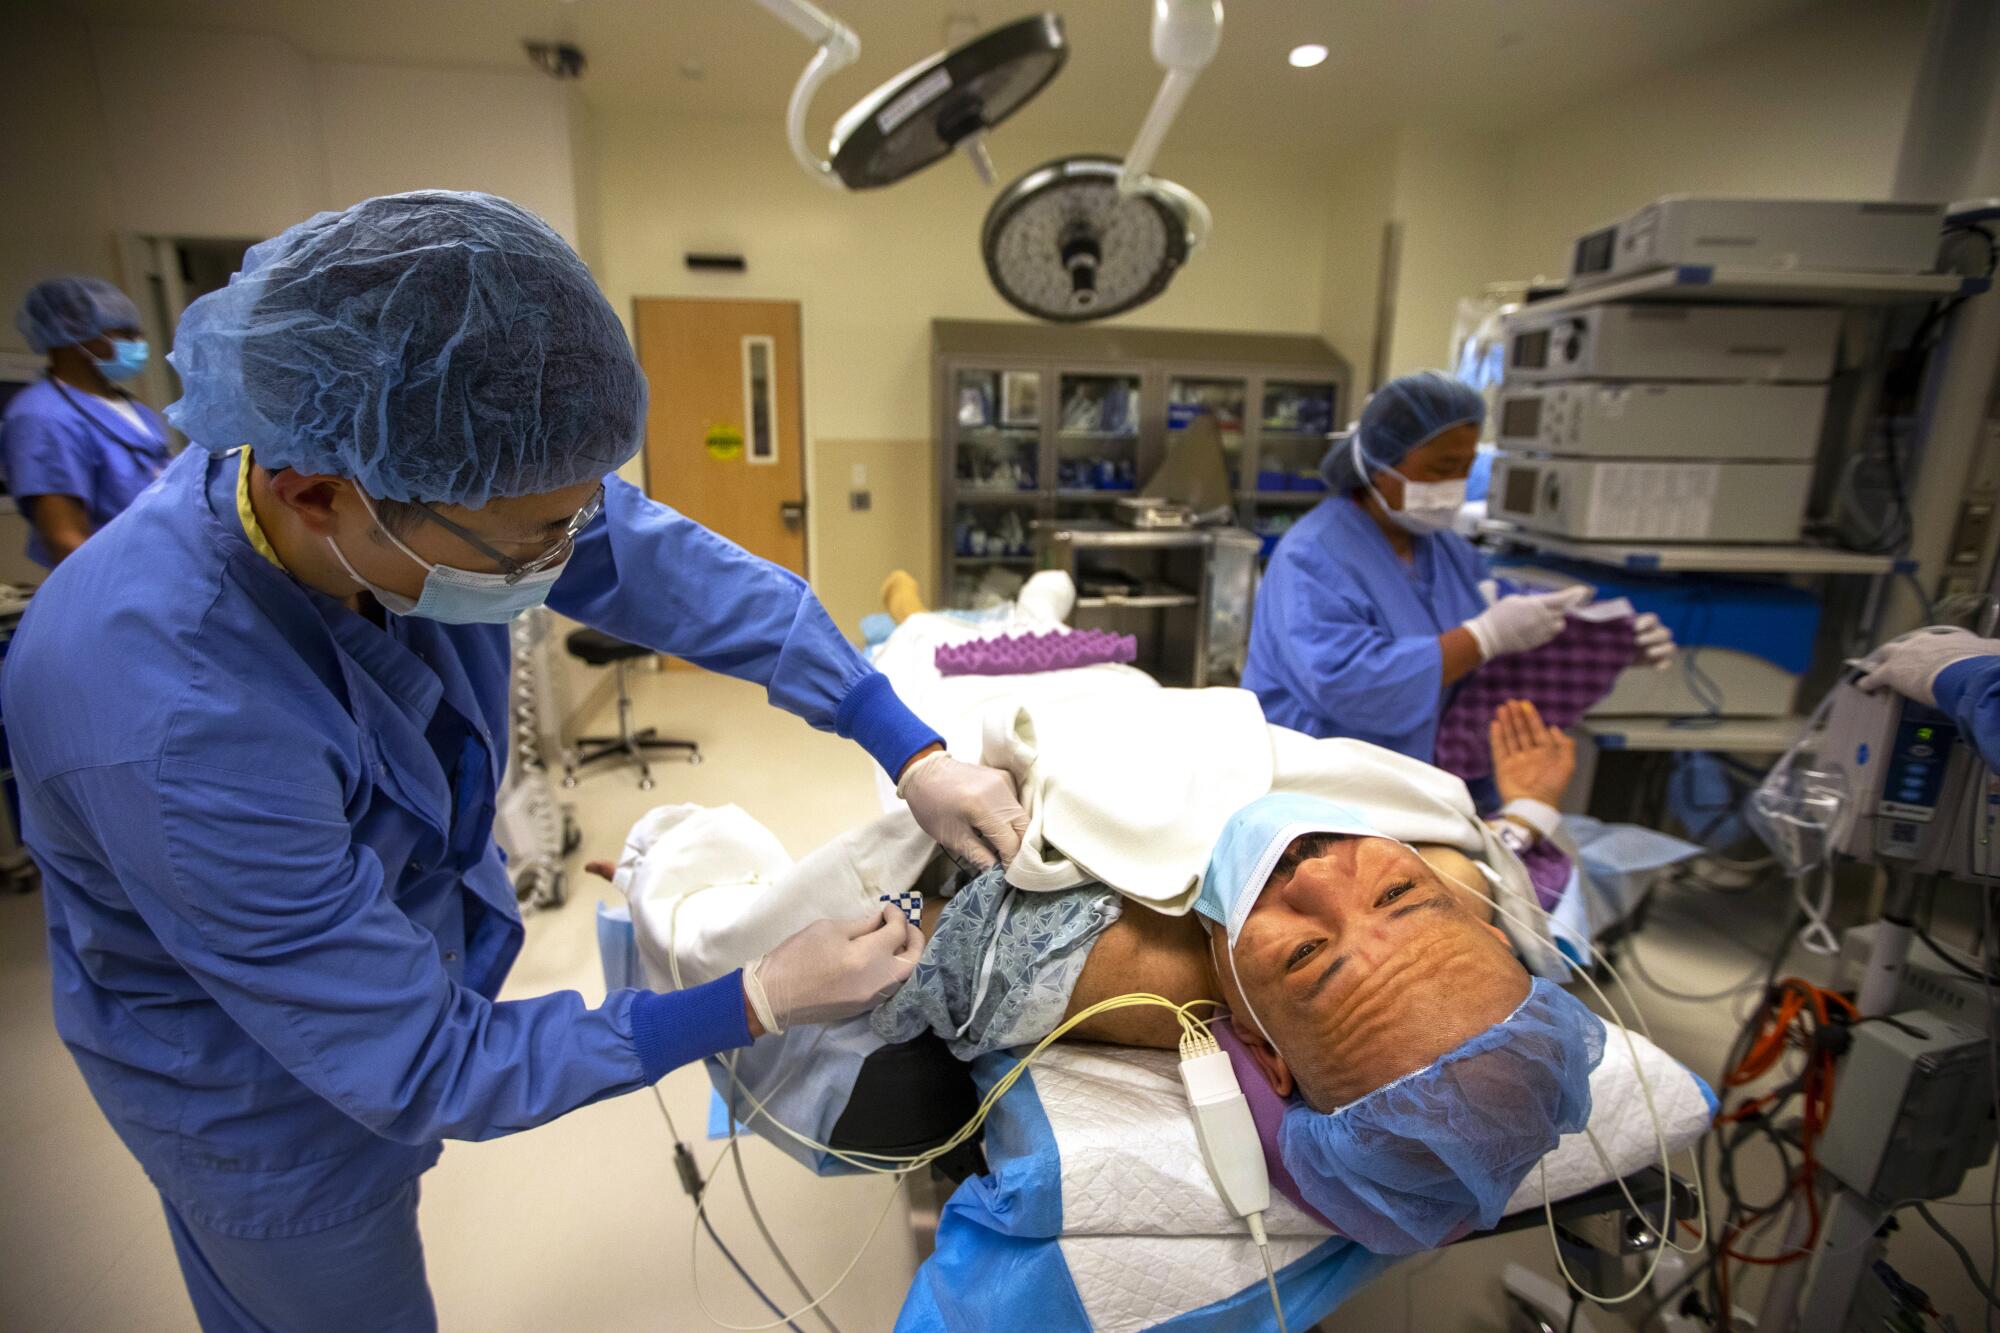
[1522, 622]
[833, 970]
[971, 811]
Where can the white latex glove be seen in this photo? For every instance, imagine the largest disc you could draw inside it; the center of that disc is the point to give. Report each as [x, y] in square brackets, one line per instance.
[833, 969]
[1655, 641]
[1909, 665]
[971, 811]
[1524, 621]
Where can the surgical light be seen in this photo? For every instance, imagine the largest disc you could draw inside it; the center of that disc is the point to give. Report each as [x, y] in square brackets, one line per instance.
[1065, 244]
[948, 101]
[1306, 56]
[1086, 237]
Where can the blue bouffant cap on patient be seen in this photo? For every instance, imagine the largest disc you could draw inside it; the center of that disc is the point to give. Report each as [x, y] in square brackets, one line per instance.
[1403, 415]
[1437, 1153]
[63, 312]
[429, 346]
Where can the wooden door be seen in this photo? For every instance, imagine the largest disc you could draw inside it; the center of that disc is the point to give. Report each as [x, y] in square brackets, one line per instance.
[725, 426]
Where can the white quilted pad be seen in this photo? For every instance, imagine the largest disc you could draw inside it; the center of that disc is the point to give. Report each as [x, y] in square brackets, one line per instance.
[1145, 1235]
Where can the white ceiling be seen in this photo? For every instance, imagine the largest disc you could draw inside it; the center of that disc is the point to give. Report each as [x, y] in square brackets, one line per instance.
[1490, 64]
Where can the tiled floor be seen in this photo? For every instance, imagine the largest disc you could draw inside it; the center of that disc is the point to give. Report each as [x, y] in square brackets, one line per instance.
[582, 1224]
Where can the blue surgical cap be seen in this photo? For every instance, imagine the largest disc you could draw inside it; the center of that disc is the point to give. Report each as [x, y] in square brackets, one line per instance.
[63, 312]
[1403, 415]
[1437, 1153]
[429, 346]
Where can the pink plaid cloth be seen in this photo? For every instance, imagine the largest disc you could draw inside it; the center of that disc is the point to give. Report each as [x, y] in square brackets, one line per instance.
[1564, 679]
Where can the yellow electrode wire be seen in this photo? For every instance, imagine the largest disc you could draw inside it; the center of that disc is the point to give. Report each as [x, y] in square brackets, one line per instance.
[1192, 1028]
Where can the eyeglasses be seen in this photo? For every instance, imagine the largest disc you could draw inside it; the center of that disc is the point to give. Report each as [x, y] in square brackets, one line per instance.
[516, 570]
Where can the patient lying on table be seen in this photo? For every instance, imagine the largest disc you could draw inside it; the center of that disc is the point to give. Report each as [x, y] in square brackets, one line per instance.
[1405, 1069]
[1365, 981]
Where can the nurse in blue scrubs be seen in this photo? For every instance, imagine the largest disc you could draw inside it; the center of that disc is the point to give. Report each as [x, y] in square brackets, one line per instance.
[1372, 608]
[259, 724]
[75, 448]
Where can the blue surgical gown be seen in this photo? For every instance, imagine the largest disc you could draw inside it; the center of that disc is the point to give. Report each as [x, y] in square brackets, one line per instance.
[1344, 639]
[277, 920]
[1970, 691]
[56, 440]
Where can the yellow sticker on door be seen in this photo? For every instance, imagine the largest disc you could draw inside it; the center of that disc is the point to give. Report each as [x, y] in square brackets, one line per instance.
[724, 441]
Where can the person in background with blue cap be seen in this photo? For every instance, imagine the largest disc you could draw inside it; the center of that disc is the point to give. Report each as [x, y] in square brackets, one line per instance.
[1423, 1071]
[1372, 607]
[259, 725]
[75, 448]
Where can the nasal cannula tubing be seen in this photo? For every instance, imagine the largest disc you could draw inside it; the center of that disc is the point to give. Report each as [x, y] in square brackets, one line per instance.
[881, 1163]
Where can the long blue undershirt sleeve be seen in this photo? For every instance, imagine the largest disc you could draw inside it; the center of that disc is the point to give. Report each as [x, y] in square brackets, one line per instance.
[650, 576]
[254, 884]
[1970, 692]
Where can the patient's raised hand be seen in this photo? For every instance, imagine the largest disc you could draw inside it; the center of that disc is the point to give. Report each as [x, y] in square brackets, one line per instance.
[1530, 759]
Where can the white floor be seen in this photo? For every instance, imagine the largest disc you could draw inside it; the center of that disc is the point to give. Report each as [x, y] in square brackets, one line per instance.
[582, 1224]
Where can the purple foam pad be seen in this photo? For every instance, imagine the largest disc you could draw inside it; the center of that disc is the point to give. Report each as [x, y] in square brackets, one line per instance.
[1024, 654]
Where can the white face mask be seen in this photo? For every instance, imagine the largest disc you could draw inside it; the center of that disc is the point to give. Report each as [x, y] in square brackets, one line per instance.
[1428, 506]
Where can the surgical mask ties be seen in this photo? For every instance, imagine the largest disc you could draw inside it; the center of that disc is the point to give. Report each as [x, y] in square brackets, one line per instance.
[1428, 506]
[456, 596]
[128, 357]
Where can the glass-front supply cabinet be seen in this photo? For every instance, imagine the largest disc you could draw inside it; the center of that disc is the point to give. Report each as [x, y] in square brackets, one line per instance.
[1292, 436]
[1097, 434]
[1060, 423]
[997, 422]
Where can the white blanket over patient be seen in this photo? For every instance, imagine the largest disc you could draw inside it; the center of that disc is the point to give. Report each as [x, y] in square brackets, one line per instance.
[1131, 788]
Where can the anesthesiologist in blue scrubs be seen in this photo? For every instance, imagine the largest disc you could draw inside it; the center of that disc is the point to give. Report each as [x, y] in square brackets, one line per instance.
[1950, 669]
[1372, 609]
[259, 724]
[75, 448]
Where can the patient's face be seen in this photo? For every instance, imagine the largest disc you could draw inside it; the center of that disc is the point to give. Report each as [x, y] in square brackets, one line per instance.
[1364, 965]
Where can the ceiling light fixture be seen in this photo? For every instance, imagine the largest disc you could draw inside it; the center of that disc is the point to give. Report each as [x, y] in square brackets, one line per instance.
[1305, 57]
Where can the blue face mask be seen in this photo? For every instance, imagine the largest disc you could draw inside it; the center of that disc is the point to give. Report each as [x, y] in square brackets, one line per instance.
[128, 358]
[1438, 1153]
[456, 596]
[1251, 845]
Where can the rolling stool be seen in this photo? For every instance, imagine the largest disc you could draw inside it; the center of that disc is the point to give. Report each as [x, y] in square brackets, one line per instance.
[628, 746]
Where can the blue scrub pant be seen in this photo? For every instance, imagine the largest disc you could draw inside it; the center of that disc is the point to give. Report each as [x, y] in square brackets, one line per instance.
[366, 1273]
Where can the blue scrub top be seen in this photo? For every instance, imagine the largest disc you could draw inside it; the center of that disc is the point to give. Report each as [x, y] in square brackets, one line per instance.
[277, 920]
[1969, 690]
[55, 440]
[1344, 639]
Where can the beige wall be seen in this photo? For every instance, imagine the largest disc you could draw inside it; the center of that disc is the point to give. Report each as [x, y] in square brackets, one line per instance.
[1448, 191]
[1812, 108]
[228, 135]
[1351, 268]
[56, 184]
[858, 548]
[504, 133]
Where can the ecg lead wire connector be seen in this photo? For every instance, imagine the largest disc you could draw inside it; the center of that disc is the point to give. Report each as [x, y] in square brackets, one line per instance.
[1223, 1126]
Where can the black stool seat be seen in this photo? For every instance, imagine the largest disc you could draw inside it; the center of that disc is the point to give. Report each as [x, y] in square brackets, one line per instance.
[601, 649]
[632, 745]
